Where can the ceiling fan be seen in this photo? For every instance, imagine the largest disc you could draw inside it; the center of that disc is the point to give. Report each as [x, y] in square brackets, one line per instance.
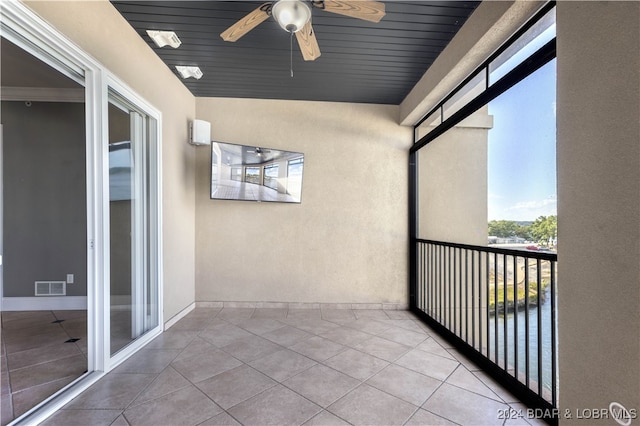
[294, 16]
[259, 151]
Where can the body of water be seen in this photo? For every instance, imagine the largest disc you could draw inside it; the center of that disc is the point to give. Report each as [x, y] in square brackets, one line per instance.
[545, 312]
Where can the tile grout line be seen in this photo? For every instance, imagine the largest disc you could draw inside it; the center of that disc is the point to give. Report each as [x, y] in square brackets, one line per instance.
[301, 372]
[499, 399]
[13, 393]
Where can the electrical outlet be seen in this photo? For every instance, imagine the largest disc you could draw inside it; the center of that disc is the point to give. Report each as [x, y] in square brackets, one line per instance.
[69, 278]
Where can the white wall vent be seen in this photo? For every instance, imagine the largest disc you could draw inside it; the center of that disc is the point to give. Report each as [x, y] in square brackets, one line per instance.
[51, 288]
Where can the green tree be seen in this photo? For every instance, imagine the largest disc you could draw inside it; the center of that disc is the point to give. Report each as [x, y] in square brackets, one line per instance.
[507, 228]
[544, 229]
[524, 232]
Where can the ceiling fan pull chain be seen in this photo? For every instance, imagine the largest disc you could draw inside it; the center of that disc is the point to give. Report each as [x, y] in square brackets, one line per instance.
[291, 54]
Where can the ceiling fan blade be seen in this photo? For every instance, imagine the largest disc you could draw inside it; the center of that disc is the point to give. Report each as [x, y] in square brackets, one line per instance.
[308, 43]
[246, 24]
[372, 11]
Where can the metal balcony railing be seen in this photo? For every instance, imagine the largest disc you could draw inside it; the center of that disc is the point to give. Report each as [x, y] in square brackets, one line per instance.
[498, 305]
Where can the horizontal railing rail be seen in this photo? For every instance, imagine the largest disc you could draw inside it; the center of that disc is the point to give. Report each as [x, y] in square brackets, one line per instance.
[499, 303]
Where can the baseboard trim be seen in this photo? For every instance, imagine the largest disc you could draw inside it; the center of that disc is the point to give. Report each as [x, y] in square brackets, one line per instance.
[299, 305]
[44, 303]
[177, 317]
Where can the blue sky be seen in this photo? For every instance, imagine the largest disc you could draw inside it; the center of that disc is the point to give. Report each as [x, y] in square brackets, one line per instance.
[522, 149]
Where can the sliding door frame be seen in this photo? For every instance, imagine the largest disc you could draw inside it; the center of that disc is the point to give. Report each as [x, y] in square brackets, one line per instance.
[154, 197]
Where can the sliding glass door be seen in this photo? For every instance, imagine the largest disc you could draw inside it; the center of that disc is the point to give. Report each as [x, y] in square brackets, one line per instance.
[132, 219]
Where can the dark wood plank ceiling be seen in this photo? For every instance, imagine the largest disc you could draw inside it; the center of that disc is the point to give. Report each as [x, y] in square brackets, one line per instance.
[361, 61]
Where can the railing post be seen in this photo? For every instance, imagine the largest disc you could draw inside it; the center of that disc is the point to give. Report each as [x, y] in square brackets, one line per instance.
[413, 227]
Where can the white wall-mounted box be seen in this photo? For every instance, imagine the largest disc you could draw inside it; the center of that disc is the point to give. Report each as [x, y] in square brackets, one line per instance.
[200, 133]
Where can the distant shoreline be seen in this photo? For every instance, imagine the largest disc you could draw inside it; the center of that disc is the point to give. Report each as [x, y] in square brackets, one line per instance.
[508, 303]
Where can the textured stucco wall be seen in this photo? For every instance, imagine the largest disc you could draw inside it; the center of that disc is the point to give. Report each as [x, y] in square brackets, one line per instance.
[598, 115]
[452, 183]
[346, 242]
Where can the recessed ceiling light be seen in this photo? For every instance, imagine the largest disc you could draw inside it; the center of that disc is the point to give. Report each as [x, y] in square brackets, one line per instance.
[164, 38]
[187, 72]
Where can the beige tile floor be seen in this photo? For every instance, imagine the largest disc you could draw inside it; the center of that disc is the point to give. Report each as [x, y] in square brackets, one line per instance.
[37, 358]
[293, 367]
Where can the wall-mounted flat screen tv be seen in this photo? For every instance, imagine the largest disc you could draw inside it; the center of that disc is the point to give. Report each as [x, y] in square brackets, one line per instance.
[251, 173]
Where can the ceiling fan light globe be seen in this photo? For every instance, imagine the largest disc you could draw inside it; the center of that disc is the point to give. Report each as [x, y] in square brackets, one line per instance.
[291, 15]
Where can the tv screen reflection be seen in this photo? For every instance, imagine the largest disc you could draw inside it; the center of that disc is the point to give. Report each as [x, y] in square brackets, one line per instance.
[250, 173]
